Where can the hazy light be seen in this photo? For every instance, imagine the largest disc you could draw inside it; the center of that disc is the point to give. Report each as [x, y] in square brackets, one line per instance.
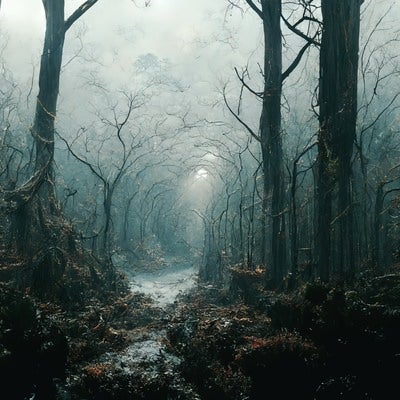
[201, 173]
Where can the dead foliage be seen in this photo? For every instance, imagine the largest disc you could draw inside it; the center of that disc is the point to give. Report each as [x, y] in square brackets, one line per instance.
[320, 342]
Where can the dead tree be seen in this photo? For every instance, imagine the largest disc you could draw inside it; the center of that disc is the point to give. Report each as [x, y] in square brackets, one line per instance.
[34, 202]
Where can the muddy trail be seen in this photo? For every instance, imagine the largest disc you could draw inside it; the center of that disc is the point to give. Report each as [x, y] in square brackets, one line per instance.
[165, 285]
[148, 355]
[144, 368]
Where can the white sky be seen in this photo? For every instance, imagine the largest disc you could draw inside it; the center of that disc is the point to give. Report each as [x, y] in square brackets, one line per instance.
[182, 31]
[167, 28]
[189, 33]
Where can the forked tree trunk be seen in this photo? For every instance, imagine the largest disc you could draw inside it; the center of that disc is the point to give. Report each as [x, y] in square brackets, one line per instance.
[49, 84]
[38, 194]
[36, 197]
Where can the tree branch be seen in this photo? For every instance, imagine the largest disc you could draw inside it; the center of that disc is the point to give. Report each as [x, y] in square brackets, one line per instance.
[78, 13]
[255, 9]
[241, 79]
[364, 129]
[82, 160]
[252, 133]
[295, 62]
[298, 32]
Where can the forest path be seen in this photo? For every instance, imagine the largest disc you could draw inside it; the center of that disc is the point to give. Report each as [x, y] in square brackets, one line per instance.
[163, 286]
[147, 361]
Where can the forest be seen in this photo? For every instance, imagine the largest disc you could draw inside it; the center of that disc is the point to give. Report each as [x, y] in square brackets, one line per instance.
[199, 200]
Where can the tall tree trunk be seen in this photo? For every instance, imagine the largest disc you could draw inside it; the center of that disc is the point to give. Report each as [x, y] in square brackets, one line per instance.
[338, 115]
[293, 223]
[38, 193]
[271, 139]
[49, 84]
[324, 200]
[377, 245]
[46, 105]
[107, 204]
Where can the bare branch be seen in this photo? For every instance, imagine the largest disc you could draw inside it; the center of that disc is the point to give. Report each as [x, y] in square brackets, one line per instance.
[82, 160]
[364, 129]
[298, 32]
[78, 13]
[252, 133]
[241, 79]
[255, 9]
[296, 61]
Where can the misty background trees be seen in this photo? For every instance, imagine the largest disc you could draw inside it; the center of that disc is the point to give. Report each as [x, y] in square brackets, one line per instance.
[270, 142]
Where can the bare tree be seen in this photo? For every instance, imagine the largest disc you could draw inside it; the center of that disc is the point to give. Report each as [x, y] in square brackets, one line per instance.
[270, 132]
[110, 175]
[35, 201]
[49, 83]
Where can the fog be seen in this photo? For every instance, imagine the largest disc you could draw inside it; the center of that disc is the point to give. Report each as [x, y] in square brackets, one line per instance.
[174, 56]
[196, 195]
[189, 34]
[168, 65]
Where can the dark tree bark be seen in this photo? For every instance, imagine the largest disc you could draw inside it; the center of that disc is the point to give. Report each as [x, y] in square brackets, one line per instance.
[273, 242]
[294, 226]
[273, 220]
[380, 226]
[36, 198]
[378, 229]
[271, 138]
[49, 84]
[337, 119]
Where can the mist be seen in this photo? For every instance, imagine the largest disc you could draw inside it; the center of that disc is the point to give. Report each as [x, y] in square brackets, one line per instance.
[199, 199]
